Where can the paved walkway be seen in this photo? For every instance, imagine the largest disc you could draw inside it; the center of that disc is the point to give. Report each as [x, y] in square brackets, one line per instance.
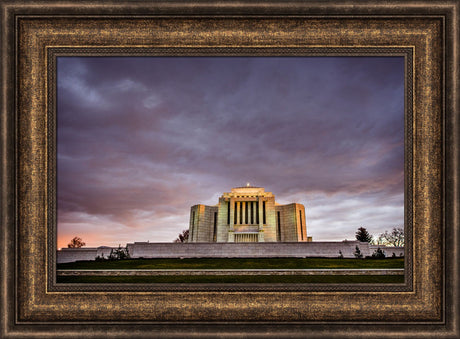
[140, 272]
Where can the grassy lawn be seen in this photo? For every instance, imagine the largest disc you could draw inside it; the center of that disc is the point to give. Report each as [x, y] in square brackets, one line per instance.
[237, 263]
[331, 279]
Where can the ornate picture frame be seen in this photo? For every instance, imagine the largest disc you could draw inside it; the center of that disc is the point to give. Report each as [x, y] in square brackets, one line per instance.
[34, 33]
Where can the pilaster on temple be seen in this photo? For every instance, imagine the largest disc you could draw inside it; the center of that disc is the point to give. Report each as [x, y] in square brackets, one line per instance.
[232, 212]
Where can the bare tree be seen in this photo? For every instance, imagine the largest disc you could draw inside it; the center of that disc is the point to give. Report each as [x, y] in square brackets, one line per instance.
[183, 237]
[393, 238]
[378, 241]
[76, 243]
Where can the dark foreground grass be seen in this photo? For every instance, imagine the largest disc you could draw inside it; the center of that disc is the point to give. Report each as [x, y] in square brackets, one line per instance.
[276, 279]
[237, 263]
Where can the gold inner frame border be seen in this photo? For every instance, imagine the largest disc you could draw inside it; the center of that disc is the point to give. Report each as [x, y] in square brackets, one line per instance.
[54, 52]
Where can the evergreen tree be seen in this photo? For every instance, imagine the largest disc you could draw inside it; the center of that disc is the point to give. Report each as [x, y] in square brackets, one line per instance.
[183, 237]
[363, 235]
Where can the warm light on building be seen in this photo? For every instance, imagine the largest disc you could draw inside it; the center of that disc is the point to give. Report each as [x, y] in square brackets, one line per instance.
[248, 214]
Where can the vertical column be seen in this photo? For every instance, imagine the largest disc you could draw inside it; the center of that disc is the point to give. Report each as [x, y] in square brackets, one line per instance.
[230, 237]
[260, 237]
[264, 204]
[237, 207]
[246, 209]
[232, 205]
[235, 221]
[228, 211]
[243, 208]
[261, 220]
[256, 203]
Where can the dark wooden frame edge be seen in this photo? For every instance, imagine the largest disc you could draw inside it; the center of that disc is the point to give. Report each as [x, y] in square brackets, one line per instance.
[449, 328]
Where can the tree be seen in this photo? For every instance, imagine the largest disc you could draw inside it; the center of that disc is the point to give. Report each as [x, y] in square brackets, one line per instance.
[393, 238]
[76, 243]
[183, 237]
[363, 235]
[377, 241]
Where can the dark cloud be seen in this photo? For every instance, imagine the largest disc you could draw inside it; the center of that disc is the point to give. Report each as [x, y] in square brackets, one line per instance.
[140, 140]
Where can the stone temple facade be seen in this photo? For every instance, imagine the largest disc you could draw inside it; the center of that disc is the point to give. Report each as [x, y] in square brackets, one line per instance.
[248, 214]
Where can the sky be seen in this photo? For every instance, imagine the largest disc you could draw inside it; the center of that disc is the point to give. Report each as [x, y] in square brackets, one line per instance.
[142, 139]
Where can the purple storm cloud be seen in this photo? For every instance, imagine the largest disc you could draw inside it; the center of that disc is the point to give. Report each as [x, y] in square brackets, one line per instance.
[141, 139]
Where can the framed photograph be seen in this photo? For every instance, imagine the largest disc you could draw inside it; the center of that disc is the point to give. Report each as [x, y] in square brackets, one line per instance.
[141, 139]
[93, 102]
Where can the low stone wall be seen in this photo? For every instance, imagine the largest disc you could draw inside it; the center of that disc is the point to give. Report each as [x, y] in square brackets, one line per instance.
[84, 253]
[231, 250]
[75, 254]
[242, 250]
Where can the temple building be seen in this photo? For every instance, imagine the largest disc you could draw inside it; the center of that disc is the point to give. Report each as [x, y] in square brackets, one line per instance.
[248, 214]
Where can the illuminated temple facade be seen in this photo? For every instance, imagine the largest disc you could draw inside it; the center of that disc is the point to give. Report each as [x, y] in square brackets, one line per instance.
[248, 214]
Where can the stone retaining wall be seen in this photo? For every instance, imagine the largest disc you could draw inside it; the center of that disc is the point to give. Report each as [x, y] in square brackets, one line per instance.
[242, 250]
[84, 253]
[231, 250]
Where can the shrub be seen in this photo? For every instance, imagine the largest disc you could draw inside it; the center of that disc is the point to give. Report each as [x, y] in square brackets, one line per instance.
[378, 254]
[358, 253]
[121, 253]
